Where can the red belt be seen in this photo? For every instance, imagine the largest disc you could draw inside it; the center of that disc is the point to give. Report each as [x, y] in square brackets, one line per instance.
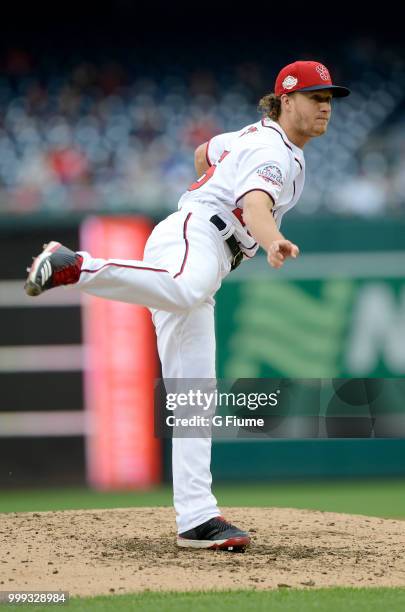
[239, 215]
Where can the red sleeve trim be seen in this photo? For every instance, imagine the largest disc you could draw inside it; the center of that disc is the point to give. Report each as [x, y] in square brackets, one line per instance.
[249, 190]
[207, 157]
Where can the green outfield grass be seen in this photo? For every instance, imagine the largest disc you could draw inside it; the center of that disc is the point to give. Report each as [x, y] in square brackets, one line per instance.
[384, 498]
[280, 600]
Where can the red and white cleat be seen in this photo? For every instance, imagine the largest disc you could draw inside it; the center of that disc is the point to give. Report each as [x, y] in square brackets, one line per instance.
[215, 534]
[56, 265]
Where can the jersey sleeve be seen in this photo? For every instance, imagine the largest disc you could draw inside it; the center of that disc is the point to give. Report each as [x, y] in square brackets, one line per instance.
[217, 145]
[261, 169]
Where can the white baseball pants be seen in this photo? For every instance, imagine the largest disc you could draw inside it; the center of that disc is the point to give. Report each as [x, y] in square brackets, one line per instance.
[185, 260]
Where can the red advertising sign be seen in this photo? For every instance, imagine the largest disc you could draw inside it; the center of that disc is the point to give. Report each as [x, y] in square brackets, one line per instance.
[120, 369]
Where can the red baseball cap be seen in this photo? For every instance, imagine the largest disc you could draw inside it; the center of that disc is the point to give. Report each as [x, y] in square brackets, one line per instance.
[307, 76]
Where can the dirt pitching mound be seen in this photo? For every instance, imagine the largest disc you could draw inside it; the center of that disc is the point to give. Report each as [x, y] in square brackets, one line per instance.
[93, 552]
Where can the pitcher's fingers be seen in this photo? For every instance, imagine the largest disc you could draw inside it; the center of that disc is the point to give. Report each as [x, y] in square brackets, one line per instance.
[273, 262]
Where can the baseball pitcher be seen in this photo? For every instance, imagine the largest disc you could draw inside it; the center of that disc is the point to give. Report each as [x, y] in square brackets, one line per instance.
[247, 181]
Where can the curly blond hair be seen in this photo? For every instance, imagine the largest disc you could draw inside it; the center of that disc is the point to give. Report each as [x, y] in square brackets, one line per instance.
[270, 106]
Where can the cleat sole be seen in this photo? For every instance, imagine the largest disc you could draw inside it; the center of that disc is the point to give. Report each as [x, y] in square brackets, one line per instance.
[237, 544]
[32, 289]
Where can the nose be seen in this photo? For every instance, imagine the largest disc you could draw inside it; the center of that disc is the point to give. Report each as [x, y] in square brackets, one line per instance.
[325, 108]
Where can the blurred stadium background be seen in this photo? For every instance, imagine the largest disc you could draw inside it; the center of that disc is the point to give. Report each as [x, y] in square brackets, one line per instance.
[100, 114]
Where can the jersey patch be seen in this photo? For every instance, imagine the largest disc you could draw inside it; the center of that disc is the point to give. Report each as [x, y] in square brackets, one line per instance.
[271, 174]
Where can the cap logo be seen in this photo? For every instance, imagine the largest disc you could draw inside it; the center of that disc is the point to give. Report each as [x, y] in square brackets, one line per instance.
[289, 82]
[323, 72]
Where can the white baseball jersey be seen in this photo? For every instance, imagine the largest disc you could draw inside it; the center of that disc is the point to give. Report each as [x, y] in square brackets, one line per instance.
[257, 157]
[186, 258]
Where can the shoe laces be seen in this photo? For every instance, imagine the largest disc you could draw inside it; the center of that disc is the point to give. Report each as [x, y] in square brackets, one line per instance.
[221, 524]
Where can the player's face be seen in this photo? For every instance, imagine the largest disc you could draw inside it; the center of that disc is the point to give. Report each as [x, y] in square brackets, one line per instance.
[310, 112]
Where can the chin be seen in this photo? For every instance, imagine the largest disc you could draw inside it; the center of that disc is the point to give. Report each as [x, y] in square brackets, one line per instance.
[320, 131]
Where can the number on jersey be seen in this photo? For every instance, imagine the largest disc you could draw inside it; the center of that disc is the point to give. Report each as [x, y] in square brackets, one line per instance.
[206, 177]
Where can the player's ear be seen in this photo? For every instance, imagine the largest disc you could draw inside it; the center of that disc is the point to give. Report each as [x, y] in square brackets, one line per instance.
[285, 101]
